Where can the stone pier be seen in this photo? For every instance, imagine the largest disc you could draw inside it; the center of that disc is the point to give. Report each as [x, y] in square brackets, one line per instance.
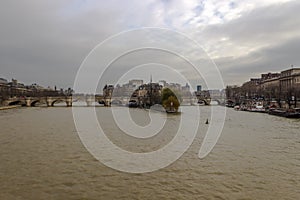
[69, 101]
[89, 100]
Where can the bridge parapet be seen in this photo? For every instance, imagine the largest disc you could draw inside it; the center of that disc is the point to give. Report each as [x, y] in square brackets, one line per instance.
[51, 100]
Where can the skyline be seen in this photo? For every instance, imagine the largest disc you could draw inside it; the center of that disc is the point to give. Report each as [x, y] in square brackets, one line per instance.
[126, 80]
[47, 41]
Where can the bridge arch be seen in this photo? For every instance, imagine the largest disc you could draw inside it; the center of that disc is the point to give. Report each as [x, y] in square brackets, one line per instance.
[116, 102]
[204, 101]
[58, 101]
[101, 102]
[17, 102]
[34, 102]
[217, 100]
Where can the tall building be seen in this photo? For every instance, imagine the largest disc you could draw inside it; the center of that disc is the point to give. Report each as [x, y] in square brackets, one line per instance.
[199, 88]
[3, 81]
[135, 82]
[283, 87]
[162, 83]
[290, 82]
[149, 94]
[269, 76]
[108, 91]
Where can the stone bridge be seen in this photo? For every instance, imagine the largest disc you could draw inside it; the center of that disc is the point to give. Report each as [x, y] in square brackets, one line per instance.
[208, 100]
[220, 101]
[32, 101]
[90, 99]
[194, 100]
[50, 101]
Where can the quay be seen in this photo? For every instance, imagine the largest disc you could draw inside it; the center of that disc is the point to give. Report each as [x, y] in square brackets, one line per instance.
[9, 107]
[261, 107]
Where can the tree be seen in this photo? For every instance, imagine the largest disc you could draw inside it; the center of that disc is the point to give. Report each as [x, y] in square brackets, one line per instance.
[171, 103]
[167, 92]
[169, 99]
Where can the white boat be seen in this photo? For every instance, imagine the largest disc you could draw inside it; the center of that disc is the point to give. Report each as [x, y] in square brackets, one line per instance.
[237, 107]
[256, 107]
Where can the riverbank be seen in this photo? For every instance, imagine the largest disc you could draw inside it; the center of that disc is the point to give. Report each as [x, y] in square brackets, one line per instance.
[281, 112]
[9, 107]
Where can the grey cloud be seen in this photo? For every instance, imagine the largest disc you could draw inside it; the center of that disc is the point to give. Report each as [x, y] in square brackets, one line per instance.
[272, 34]
[46, 41]
[274, 58]
[41, 43]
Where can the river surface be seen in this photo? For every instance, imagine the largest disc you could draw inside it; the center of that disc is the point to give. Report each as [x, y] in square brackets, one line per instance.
[41, 157]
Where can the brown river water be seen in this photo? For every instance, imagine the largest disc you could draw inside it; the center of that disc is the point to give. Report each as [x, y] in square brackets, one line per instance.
[42, 157]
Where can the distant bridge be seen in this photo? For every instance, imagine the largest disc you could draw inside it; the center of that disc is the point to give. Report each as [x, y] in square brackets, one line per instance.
[194, 100]
[206, 100]
[50, 101]
[69, 100]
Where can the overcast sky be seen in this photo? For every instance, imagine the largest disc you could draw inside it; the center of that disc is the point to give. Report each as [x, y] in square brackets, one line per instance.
[46, 41]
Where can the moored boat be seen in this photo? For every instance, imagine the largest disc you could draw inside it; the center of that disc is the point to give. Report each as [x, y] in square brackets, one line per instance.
[277, 112]
[237, 107]
[293, 113]
[256, 107]
[290, 113]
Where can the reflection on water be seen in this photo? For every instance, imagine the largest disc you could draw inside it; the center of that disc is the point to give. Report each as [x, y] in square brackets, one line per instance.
[256, 157]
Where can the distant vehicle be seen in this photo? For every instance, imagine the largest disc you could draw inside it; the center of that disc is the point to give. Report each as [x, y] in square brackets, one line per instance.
[132, 104]
[230, 105]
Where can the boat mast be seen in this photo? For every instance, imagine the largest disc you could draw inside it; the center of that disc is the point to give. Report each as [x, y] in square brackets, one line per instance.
[150, 90]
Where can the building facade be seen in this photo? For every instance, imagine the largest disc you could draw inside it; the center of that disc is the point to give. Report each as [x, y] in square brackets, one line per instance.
[283, 87]
[290, 81]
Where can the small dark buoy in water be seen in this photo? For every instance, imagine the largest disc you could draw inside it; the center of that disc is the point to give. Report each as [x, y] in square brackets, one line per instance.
[206, 121]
